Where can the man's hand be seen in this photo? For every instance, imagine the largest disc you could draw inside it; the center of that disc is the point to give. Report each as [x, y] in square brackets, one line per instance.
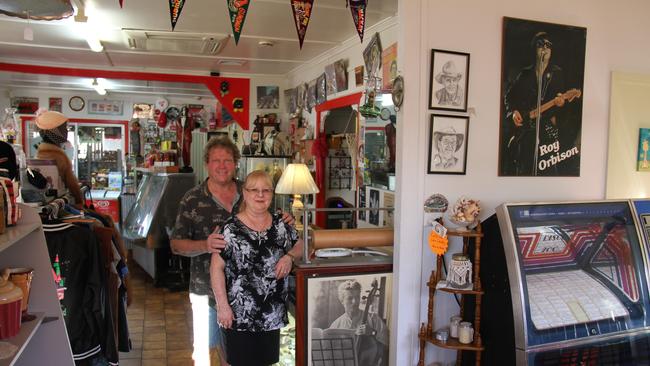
[288, 218]
[225, 316]
[215, 243]
[517, 119]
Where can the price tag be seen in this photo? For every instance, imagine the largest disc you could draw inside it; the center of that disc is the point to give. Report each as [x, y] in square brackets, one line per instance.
[437, 243]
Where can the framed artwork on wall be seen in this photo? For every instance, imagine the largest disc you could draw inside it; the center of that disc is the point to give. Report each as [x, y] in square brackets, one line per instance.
[448, 144]
[107, 107]
[642, 159]
[540, 127]
[331, 301]
[448, 80]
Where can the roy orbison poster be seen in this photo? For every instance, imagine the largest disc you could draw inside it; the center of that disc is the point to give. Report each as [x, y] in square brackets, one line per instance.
[541, 98]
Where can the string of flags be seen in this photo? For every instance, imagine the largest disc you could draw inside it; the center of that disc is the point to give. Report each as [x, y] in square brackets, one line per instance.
[302, 12]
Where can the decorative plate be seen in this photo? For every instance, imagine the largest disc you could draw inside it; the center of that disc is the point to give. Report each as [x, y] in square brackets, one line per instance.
[76, 103]
[398, 92]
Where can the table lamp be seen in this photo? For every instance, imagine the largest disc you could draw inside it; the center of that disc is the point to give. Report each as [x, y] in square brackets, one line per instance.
[296, 180]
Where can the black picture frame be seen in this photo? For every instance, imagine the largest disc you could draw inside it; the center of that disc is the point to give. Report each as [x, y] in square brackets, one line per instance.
[323, 341]
[452, 67]
[549, 143]
[453, 129]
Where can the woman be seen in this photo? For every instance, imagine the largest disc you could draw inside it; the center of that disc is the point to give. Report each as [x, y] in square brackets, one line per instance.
[249, 277]
[53, 128]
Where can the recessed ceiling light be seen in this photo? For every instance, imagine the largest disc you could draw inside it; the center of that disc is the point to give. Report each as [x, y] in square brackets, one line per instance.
[265, 43]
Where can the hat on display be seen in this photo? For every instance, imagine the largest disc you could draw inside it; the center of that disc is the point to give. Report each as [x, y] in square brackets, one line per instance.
[48, 120]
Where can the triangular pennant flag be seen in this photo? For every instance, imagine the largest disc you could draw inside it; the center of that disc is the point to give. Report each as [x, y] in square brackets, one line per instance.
[121, 3]
[301, 14]
[358, 9]
[175, 8]
[238, 10]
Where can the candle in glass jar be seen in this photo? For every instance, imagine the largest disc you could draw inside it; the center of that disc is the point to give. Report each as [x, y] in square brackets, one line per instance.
[465, 332]
[454, 321]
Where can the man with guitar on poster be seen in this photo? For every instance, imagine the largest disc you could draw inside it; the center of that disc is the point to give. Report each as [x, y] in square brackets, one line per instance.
[539, 131]
[371, 341]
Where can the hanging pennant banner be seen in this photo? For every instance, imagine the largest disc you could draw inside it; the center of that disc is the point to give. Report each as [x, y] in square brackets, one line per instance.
[121, 3]
[301, 14]
[358, 9]
[238, 10]
[175, 8]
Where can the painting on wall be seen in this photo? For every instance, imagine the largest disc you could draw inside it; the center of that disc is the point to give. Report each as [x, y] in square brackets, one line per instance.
[55, 104]
[542, 81]
[25, 105]
[372, 195]
[389, 66]
[642, 159]
[448, 144]
[331, 301]
[106, 107]
[268, 97]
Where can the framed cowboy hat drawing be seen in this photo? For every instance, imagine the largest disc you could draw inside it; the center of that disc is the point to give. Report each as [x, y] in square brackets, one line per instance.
[449, 80]
[448, 144]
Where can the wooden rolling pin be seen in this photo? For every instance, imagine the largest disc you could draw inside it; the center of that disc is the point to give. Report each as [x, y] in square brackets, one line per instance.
[352, 238]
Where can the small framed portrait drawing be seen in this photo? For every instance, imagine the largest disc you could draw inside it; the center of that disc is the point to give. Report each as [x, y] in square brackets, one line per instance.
[448, 144]
[449, 80]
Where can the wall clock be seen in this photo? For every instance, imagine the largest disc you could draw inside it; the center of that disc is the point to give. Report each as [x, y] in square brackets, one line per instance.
[77, 103]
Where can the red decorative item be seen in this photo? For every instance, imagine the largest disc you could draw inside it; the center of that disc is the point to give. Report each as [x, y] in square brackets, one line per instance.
[175, 8]
[162, 120]
[301, 15]
[10, 302]
[358, 9]
[121, 3]
[320, 150]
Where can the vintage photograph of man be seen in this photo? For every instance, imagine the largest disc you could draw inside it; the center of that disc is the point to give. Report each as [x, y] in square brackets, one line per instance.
[541, 98]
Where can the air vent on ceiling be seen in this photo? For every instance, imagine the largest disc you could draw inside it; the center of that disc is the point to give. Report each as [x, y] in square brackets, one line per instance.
[175, 42]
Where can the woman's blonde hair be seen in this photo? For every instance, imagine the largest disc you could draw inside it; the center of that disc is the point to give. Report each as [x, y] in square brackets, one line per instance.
[251, 179]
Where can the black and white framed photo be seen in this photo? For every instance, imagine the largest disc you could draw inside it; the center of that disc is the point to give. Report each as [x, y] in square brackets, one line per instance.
[374, 216]
[448, 144]
[338, 307]
[449, 80]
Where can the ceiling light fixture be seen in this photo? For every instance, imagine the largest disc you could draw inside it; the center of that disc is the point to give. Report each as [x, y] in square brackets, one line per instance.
[94, 44]
[98, 88]
[28, 33]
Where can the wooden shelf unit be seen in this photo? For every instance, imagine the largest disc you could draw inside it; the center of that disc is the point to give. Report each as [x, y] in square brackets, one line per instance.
[43, 341]
[426, 334]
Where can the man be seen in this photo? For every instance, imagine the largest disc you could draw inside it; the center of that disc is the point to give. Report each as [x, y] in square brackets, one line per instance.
[530, 135]
[451, 93]
[447, 143]
[349, 294]
[201, 212]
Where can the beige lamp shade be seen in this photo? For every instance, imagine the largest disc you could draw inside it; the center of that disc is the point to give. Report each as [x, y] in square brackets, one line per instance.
[296, 179]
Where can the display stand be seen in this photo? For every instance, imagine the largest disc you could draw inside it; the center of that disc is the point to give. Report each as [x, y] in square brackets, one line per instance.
[426, 333]
[43, 341]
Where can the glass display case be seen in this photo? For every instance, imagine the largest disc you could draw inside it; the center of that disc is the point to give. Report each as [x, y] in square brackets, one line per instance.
[151, 220]
[575, 282]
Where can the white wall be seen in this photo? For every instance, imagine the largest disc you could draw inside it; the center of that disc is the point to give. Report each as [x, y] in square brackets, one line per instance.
[615, 35]
[628, 113]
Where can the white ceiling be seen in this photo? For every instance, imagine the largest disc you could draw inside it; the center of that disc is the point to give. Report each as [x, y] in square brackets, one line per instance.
[186, 49]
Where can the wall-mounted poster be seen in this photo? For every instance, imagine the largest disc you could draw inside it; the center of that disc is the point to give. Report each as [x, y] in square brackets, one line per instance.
[55, 104]
[268, 97]
[389, 66]
[337, 305]
[358, 75]
[541, 105]
[362, 203]
[24, 105]
[341, 71]
[642, 159]
[388, 200]
[373, 202]
[321, 89]
[107, 107]
[330, 78]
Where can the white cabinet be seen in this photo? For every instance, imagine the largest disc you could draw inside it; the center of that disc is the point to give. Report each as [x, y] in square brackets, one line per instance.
[43, 341]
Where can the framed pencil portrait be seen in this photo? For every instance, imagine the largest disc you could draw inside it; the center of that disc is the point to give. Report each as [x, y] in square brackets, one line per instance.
[448, 80]
[448, 144]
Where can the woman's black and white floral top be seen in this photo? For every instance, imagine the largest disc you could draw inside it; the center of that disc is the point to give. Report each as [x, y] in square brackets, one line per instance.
[256, 297]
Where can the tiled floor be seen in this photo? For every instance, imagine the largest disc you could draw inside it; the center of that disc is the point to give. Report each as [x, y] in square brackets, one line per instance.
[160, 324]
